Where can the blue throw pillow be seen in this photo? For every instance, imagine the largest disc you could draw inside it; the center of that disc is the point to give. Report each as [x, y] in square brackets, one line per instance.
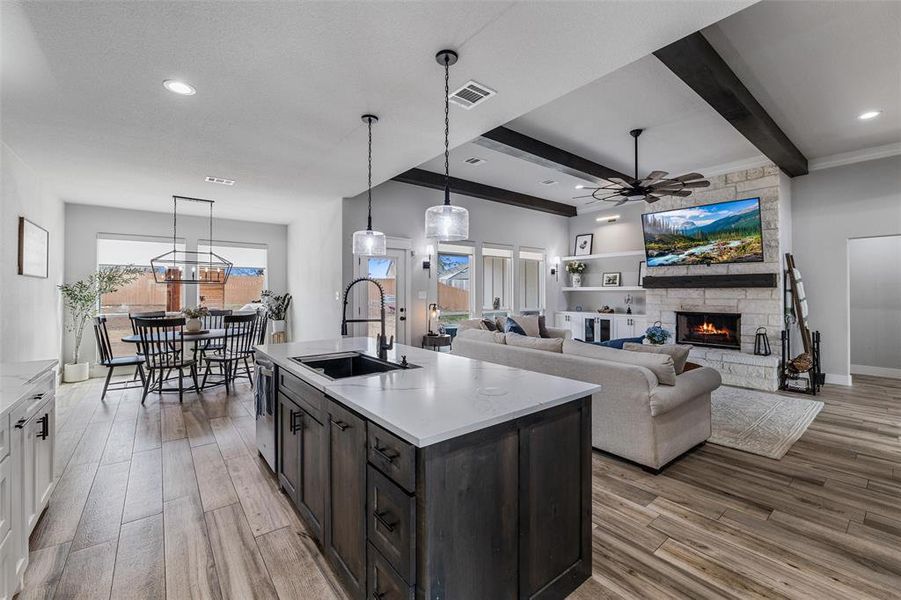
[618, 344]
[511, 326]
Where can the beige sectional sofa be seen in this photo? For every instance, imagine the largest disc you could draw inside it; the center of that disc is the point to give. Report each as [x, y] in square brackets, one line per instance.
[634, 416]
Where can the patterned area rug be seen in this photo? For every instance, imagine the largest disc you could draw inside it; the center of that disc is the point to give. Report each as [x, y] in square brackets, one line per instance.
[759, 422]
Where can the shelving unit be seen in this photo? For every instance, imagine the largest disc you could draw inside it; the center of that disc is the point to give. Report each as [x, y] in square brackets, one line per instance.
[621, 288]
[604, 255]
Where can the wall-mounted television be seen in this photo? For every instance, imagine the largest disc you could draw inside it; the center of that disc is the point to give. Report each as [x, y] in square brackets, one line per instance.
[725, 232]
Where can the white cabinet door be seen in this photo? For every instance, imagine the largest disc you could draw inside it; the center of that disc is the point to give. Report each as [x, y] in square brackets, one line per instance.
[8, 555]
[560, 321]
[622, 327]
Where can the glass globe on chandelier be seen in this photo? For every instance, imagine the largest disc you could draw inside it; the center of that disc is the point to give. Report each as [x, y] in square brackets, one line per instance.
[444, 222]
[369, 242]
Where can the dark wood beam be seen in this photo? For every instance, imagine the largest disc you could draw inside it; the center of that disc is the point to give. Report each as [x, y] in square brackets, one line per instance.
[435, 181]
[699, 65]
[513, 143]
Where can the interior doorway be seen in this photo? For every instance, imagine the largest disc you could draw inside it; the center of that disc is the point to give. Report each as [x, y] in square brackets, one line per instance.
[874, 277]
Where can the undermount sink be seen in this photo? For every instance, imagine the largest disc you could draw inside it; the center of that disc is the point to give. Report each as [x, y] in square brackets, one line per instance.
[342, 365]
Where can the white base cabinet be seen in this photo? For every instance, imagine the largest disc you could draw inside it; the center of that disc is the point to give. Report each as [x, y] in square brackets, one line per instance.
[26, 476]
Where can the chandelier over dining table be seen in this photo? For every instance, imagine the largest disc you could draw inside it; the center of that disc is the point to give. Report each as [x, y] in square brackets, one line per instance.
[190, 266]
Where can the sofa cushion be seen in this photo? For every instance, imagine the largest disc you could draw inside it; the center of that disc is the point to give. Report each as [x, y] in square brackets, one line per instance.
[542, 327]
[677, 351]
[535, 343]
[529, 324]
[660, 364]
[500, 323]
[481, 335]
[488, 325]
[511, 326]
[618, 343]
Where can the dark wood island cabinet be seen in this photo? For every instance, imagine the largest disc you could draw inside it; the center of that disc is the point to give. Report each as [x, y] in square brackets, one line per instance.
[503, 512]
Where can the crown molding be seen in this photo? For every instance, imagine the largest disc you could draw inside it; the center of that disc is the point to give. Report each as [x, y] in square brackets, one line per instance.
[849, 158]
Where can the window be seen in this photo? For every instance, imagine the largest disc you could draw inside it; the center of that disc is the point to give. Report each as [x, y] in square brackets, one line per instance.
[454, 282]
[247, 279]
[531, 280]
[497, 281]
[141, 295]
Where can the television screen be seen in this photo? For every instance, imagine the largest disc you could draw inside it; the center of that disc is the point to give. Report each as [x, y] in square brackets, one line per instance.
[725, 232]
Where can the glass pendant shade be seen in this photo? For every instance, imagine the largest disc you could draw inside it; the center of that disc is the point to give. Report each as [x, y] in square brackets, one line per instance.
[447, 223]
[369, 243]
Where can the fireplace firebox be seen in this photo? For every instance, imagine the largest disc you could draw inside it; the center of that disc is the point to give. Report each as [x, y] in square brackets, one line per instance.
[717, 330]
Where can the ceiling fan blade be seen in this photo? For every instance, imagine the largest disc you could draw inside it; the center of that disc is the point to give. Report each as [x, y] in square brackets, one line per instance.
[697, 184]
[653, 177]
[689, 177]
[621, 202]
[651, 199]
[620, 181]
[585, 196]
[680, 193]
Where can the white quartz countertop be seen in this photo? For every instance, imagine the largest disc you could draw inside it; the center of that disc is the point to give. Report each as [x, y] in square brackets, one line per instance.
[446, 398]
[16, 379]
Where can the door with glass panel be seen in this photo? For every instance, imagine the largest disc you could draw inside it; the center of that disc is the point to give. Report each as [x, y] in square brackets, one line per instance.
[390, 272]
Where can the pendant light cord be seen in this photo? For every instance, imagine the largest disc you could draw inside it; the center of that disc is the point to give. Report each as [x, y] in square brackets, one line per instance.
[369, 218]
[446, 130]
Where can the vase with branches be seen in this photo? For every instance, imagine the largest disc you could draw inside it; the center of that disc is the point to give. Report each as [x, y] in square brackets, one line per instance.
[81, 300]
[276, 306]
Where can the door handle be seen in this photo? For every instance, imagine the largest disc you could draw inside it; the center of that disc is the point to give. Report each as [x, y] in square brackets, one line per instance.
[340, 424]
[383, 452]
[294, 425]
[45, 426]
[380, 517]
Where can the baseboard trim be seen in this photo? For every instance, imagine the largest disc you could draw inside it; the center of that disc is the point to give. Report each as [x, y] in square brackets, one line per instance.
[838, 379]
[876, 371]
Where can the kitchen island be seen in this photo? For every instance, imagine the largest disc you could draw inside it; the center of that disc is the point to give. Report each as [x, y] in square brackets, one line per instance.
[449, 478]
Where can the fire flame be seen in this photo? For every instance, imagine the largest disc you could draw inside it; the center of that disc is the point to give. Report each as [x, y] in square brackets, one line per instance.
[710, 329]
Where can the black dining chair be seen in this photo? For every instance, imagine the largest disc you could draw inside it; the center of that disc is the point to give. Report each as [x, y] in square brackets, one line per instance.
[150, 314]
[108, 360]
[164, 346]
[239, 330]
[216, 318]
[260, 325]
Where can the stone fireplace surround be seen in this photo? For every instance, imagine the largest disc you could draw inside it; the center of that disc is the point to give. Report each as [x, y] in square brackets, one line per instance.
[759, 307]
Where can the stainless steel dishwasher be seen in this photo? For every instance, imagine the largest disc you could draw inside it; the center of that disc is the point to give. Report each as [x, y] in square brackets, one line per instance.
[265, 413]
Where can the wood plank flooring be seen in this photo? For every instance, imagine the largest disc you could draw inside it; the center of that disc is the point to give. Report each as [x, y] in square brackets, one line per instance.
[172, 501]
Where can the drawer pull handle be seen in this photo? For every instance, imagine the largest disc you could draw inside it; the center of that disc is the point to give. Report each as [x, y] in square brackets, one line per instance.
[20, 423]
[386, 454]
[45, 426]
[340, 424]
[380, 517]
[38, 396]
[296, 421]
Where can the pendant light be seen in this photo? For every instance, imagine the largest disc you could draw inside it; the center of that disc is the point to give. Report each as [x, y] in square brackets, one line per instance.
[190, 266]
[444, 222]
[369, 242]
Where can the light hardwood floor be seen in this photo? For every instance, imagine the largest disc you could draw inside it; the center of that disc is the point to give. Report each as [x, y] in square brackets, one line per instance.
[172, 501]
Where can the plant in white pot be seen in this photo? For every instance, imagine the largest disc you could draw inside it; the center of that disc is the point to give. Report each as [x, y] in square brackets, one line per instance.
[81, 300]
[277, 309]
[194, 317]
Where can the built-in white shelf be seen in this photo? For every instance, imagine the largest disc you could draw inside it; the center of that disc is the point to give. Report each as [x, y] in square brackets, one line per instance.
[604, 255]
[621, 288]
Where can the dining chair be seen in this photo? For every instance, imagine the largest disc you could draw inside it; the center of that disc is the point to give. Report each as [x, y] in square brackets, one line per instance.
[108, 360]
[150, 314]
[239, 330]
[216, 318]
[163, 342]
[261, 323]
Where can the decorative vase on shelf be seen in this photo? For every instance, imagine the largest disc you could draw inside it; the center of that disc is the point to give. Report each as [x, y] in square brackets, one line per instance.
[193, 324]
[576, 279]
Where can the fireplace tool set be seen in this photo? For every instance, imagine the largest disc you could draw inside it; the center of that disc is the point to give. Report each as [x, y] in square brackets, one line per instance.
[801, 373]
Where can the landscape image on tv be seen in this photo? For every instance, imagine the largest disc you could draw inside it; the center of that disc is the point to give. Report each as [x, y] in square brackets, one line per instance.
[725, 232]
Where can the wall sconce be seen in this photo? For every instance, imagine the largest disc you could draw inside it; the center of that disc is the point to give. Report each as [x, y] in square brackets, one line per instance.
[555, 268]
[433, 312]
[427, 264]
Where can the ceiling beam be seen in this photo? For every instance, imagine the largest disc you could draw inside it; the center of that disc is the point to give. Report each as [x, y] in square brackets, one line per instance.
[699, 65]
[513, 143]
[435, 181]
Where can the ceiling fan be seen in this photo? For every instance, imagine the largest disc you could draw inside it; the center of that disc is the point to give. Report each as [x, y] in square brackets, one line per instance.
[650, 189]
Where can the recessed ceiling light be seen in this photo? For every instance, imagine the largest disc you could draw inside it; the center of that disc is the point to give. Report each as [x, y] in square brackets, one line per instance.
[179, 87]
[870, 114]
[608, 219]
[474, 160]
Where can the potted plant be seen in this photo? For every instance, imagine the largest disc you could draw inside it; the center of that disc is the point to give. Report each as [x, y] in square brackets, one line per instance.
[193, 316]
[277, 309]
[656, 334]
[575, 270]
[81, 300]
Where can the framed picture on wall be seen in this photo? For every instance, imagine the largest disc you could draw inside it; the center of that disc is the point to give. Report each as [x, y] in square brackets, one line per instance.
[584, 242]
[34, 244]
[611, 279]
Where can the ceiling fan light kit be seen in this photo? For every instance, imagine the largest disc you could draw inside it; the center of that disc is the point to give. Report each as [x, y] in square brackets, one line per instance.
[447, 223]
[368, 242]
[650, 189]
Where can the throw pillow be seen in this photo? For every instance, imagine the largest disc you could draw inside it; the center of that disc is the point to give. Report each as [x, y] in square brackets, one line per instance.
[678, 352]
[482, 335]
[500, 323]
[511, 326]
[488, 325]
[659, 364]
[529, 324]
[618, 344]
[535, 343]
[542, 327]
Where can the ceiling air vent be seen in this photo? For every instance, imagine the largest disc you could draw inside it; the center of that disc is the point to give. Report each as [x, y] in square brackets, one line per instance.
[548, 182]
[471, 94]
[474, 160]
[219, 180]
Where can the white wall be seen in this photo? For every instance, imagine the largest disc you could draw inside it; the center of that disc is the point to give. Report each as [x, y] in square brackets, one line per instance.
[30, 308]
[399, 211]
[875, 275]
[84, 223]
[830, 207]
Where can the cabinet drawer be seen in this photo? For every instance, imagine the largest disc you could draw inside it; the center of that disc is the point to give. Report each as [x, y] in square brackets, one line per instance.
[393, 457]
[4, 437]
[308, 397]
[383, 582]
[392, 523]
